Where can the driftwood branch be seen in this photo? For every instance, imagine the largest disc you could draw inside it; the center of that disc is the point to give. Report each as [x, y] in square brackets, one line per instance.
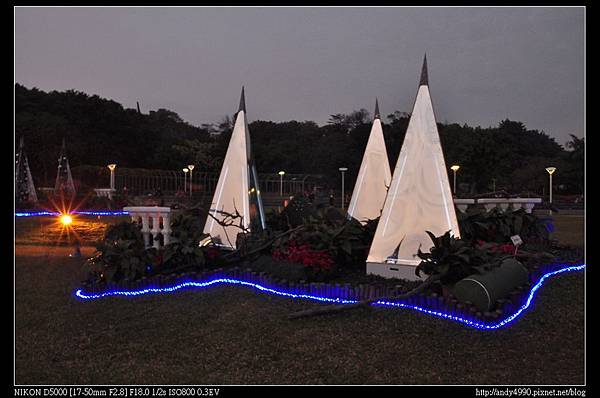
[265, 245]
[364, 303]
[229, 221]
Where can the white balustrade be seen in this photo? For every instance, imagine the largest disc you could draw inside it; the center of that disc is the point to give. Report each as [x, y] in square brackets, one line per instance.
[153, 214]
[502, 203]
[527, 203]
[490, 203]
[105, 192]
[515, 203]
[463, 204]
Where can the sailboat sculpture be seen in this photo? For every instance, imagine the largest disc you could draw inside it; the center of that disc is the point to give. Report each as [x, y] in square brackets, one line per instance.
[419, 198]
[24, 188]
[237, 191]
[373, 178]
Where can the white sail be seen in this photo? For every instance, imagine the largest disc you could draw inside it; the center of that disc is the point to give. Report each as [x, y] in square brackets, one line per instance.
[373, 178]
[236, 187]
[419, 198]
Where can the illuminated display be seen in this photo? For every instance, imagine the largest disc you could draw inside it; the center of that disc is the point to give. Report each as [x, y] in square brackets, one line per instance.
[298, 294]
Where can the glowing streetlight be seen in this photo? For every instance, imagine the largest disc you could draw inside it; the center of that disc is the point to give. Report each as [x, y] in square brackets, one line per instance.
[455, 169]
[281, 173]
[185, 171]
[112, 168]
[550, 171]
[343, 170]
[191, 167]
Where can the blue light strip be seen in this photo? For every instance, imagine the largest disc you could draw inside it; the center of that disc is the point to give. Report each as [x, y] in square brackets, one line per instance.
[102, 213]
[83, 213]
[337, 300]
[36, 213]
[485, 326]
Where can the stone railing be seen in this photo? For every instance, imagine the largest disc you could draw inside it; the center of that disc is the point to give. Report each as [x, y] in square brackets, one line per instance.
[502, 203]
[155, 221]
[105, 192]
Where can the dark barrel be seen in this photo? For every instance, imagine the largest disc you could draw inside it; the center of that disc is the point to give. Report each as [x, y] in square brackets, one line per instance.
[484, 289]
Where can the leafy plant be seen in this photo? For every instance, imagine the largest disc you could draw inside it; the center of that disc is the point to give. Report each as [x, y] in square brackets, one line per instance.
[498, 226]
[184, 251]
[122, 254]
[454, 259]
[327, 243]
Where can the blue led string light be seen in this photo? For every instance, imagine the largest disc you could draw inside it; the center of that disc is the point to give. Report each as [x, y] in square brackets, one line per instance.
[337, 300]
[102, 213]
[484, 326]
[83, 213]
[36, 213]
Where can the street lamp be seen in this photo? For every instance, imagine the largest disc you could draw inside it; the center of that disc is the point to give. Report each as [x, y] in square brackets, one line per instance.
[455, 169]
[281, 173]
[185, 170]
[343, 170]
[550, 171]
[112, 167]
[191, 167]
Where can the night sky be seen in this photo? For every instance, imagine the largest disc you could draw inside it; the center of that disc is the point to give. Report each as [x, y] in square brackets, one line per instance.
[485, 64]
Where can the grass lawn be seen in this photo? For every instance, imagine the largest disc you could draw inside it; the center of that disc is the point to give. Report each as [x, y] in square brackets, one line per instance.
[233, 335]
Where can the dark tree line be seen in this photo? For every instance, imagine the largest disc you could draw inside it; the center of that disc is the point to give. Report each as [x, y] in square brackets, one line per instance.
[100, 131]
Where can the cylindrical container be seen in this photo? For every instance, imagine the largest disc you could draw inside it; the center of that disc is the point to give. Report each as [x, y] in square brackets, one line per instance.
[484, 289]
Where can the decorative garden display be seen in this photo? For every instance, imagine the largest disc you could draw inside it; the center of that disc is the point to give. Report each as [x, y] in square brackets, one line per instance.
[414, 254]
[373, 178]
[25, 194]
[419, 198]
[64, 179]
[237, 191]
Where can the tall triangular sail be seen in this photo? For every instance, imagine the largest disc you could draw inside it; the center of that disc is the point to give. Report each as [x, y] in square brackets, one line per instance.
[24, 187]
[64, 179]
[237, 190]
[373, 178]
[419, 198]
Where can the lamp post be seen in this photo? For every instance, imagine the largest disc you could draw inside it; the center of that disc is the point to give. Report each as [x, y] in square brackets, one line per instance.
[455, 169]
[281, 173]
[112, 167]
[191, 168]
[493, 185]
[185, 171]
[343, 170]
[550, 171]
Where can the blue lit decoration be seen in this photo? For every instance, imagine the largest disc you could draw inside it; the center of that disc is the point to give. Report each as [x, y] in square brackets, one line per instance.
[300, 293]
[83, 213]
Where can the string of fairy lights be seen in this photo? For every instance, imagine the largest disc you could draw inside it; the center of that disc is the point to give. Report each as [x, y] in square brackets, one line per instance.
[44, 213]
[448, 315]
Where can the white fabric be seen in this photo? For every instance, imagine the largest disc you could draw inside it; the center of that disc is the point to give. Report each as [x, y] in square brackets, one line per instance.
[232, 189]
[373, 178]
[419, 197]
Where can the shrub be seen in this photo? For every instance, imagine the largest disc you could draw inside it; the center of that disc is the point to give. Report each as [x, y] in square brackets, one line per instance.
[498, 226]
[454, 259]
[183, 250]
[122, 254]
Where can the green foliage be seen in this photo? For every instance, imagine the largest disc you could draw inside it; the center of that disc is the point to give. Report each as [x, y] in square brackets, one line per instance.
[183, 251]
[498, 226]
[346, 241]
[298, 211]
[454, 259]
[121, 254]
